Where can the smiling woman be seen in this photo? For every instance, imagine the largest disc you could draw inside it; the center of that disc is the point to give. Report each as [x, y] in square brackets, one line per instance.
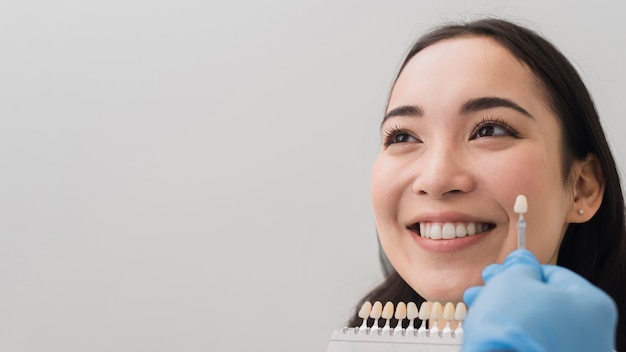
[480, 113]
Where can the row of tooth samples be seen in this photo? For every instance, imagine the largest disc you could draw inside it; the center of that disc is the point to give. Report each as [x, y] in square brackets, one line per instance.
[433, 311]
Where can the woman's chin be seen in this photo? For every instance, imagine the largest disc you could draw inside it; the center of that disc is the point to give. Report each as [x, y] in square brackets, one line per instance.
[445, 290]
[443, 297]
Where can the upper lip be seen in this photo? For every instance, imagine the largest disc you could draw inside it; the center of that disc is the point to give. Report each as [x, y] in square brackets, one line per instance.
[448, 216]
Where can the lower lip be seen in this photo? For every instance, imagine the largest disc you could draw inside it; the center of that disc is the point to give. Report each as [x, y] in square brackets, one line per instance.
[450, 245]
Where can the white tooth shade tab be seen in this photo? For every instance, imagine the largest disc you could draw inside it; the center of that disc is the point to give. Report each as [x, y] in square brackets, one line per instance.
[450, 314]
[400, 315]
[387, 315]
[377, 311]
[451, 230]
[448, 311]
[411, 311]
[436, 311]
[401, 311]
[424, 312]
[365, 310]
[387, 310]
[364, 313]
[521, 204]
[460, 312]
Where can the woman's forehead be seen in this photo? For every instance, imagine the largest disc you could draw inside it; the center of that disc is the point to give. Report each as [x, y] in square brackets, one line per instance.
[462, 68]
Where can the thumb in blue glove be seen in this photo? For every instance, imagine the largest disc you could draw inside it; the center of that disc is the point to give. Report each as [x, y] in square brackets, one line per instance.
[526, 306]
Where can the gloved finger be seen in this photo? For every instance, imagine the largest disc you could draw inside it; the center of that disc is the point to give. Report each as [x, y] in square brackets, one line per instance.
[525, 258]
[471, 293]
[516, 257]
[522, 256]
[562, 277]
[591, 299]
[491, 270]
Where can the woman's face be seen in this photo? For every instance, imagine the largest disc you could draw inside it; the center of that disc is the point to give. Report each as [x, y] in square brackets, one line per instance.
[466, 130]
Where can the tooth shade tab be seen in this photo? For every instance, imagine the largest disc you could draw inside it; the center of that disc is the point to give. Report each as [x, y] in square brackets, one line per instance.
[401, 311]
[436, 311]
[400, 315]
[387, 311]
[448, 311]
[377, 310]
[521, 204]
[424, 312]
[411, 311]
[364, 313]
[365, 310]
[448, 316]
[387, 315]
[460, 312]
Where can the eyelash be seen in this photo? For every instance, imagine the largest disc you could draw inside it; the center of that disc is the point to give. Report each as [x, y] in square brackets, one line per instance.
[392, 132]
[494, 121]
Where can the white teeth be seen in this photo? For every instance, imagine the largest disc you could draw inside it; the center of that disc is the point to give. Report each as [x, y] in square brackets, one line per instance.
[449, 230]
[435, 231]
[461, 230]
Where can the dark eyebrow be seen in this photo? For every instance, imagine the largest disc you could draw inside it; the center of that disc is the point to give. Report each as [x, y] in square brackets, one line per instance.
[405, 110]
[484, 103]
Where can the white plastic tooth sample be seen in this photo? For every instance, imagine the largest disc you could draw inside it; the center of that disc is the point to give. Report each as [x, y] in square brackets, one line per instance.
[448, 316]
[435, 231]
[424, 314]
[377, 311]
[436, 313]
[459, 315]
[521, 204]
[521, 207]
[401, 314]
[364, 313]
[448, 231]
[471, 228]
[411, 314]
[461, 230]
[387, 314]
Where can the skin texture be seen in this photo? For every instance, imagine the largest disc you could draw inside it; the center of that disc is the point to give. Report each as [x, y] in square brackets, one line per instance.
[438, 163]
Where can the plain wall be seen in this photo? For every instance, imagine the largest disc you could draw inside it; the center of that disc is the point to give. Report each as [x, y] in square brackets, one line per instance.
[194, 175]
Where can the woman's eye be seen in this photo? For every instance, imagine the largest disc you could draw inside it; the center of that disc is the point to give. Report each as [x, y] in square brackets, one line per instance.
[492, 129]
[399, 137]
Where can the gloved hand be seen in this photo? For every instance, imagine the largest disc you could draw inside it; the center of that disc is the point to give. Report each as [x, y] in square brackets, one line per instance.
[525, 306]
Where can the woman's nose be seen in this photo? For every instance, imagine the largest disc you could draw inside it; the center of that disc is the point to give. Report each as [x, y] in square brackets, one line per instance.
[441, 172]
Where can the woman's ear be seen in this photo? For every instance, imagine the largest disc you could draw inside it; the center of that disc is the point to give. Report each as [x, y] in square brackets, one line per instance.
[588, 189]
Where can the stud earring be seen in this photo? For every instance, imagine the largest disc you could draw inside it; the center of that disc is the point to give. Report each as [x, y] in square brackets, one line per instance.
[581, 211]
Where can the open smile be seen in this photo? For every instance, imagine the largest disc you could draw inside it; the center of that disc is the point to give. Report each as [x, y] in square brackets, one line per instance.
[449, 230]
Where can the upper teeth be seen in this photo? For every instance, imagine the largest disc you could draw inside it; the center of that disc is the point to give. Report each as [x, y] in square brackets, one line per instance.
[448, 230]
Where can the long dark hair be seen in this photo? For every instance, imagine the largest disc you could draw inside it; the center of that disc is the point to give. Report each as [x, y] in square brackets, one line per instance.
[595, 249]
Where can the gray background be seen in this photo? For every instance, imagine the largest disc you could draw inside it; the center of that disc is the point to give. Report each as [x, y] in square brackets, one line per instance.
[194, 175]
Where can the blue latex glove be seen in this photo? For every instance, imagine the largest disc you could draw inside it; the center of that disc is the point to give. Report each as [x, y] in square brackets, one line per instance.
[526, 306]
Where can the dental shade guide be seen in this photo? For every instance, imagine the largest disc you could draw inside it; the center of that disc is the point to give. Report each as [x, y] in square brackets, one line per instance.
[521, 207]
[371, 338]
